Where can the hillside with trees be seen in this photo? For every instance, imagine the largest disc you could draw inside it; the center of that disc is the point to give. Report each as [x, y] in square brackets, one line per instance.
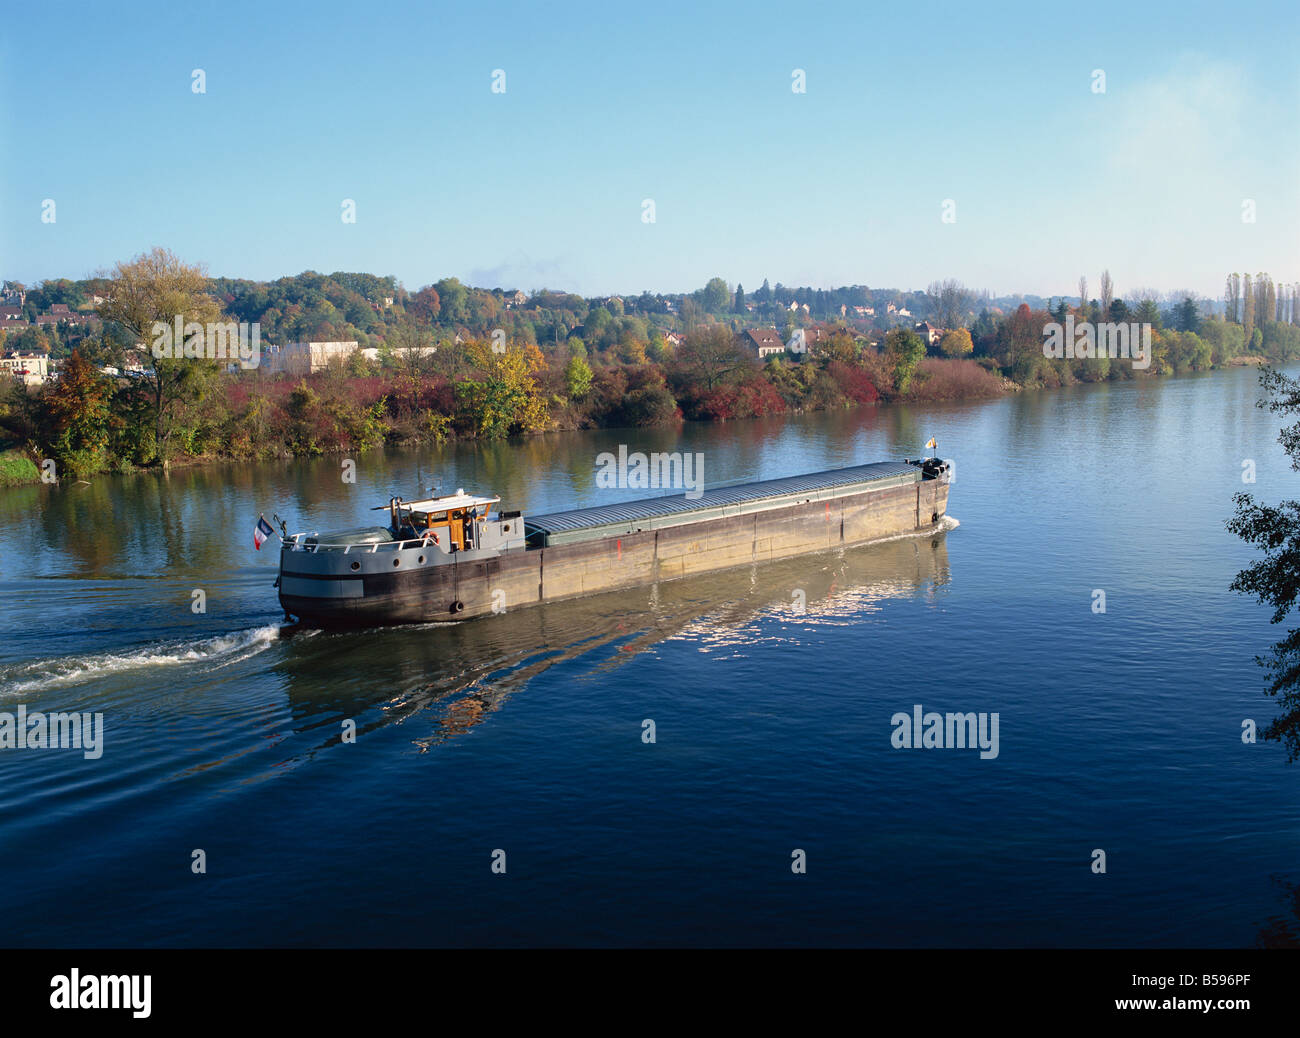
[451, 360]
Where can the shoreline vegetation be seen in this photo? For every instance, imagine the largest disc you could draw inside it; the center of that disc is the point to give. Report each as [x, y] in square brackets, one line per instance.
[452, 362]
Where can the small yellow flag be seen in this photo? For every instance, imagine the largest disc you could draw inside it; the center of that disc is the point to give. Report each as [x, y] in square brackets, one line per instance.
[933, 443]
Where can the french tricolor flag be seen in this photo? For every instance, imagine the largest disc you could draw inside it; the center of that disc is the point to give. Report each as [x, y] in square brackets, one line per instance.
[261, 532]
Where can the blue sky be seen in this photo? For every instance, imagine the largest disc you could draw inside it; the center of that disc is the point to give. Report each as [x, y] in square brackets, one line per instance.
[688, 104]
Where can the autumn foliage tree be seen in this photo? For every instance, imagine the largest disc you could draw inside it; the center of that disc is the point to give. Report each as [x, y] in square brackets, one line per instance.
[158, 287]
[956, 343]
[710, 355]
[502, 396]
[425, 305]
[79, 415]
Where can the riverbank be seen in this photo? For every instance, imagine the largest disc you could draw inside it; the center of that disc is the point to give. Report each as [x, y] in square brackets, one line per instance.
[89, 424]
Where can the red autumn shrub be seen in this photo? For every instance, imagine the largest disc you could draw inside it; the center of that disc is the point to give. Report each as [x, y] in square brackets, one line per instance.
[950, 379]
[854, 382]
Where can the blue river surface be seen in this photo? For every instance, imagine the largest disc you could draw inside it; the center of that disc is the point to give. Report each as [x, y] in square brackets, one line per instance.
[519, 738]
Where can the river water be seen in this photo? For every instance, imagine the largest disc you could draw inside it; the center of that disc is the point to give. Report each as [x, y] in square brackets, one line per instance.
[771, 690]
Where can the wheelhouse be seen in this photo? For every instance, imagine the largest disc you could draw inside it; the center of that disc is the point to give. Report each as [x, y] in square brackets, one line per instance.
[455, 521]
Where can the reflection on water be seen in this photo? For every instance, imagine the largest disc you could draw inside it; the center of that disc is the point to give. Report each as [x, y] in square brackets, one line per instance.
[191, 521]
[448, 678]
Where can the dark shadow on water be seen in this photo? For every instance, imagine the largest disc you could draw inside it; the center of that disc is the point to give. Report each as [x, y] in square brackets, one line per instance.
[460, 674]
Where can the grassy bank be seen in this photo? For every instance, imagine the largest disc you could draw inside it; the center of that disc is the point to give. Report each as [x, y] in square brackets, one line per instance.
[16, 469]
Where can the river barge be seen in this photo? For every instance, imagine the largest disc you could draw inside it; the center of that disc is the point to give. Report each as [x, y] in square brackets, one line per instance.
[459, 556]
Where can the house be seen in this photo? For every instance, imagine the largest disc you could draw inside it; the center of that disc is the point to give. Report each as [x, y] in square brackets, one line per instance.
[514, 299]
[928, 332]
[303, 358]
[30, 368]
[674, 339]
[60, 312]
[765, 342]
[816, 335]
[903, 312]
[865, 311]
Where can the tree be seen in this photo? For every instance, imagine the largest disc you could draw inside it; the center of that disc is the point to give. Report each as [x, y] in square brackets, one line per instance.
[949, 302]
[1247, 307]
[1232, 299]
[29, 340]
[715, 297]
[839, 347]
[1188, 317]
[1107, 291]
[1275, 579]
[453, 299]
[740, 299]
[710, 356]
[1083, 293]
[985, 330]
[425, 305]
[905, 350]
[410, 346]
[956, 343]
[690, 314]
[157, 287]
[80, 416]
[577, 377]
[595, 328]
[1023, 336]
[1147, 311]
[503, 397]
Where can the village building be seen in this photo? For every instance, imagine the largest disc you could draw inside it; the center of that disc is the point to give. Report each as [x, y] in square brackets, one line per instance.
[30, 368]
[304, 358]
[928, 332]
[764, 342]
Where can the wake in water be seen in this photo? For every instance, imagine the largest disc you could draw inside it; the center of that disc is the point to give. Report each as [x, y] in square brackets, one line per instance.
[221, 651]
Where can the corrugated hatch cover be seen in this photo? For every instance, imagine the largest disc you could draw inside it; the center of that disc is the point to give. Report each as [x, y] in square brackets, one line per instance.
[675, 509]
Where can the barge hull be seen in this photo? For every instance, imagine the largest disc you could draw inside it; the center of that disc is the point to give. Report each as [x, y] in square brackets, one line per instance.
[529, 576]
